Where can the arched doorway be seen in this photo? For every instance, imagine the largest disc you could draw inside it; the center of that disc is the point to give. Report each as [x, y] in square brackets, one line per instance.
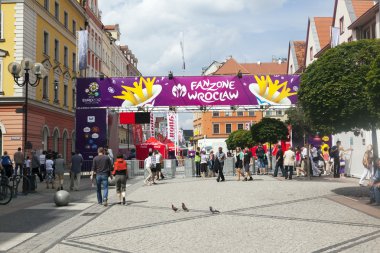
[56, 140]
[73, 142]
[64, 144]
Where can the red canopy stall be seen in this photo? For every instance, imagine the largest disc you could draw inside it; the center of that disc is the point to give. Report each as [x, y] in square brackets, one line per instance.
[143, 149]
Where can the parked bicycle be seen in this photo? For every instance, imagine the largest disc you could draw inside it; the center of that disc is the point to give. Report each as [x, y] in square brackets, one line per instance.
[5, 191]
[20, 184]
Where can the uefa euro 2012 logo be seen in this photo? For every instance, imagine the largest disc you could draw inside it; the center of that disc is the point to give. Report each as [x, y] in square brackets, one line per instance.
[93, 90]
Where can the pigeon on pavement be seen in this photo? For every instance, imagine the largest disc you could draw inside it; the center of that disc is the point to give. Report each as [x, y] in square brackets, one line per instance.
[213, 211]
[175, 209]
[184, 208]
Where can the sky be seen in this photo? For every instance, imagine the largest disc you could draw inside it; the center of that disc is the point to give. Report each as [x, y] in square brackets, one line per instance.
[248, 30]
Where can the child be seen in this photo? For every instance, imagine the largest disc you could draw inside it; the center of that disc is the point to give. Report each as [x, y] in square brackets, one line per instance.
[49, 172]
[27, 165]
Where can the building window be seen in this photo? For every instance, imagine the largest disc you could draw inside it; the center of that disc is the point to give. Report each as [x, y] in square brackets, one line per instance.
[311, 54]
[291, 69]
[215, 128]
[279, 113]
[66, 20]
[268, 113]
[373, 31]
[56, 10]
[240, 126]
[1, 25]
[56, 89]
[74, 27]
[65, 94]
[240, 113]
[227, 114]
[1, 75]
[56, 50]
[74, 62]
[65, 56]
[46, 4]
[228, 128]
[367, 33]
[341, 25]
[215, 114]
[73, 98]
[46, 43]
[45, 88]
[251, 113]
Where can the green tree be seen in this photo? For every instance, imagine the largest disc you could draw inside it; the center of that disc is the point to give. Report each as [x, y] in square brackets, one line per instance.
[338, 91]
[269, 130]
[239, 138]
[301, 127]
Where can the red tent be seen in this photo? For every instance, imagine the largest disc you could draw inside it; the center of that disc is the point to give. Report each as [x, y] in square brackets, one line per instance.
[143, 149]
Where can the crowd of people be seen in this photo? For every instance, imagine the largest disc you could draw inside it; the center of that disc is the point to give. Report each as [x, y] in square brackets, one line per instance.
[49, 166]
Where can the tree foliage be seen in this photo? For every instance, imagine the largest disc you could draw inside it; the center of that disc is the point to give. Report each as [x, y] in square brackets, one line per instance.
[269, 130]
[300, 125]
[340, 91]
[239, 138]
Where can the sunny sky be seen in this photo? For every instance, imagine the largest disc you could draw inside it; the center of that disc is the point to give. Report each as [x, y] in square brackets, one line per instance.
[248, 30]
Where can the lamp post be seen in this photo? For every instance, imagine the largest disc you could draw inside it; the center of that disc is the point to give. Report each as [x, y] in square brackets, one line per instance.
[23, 70]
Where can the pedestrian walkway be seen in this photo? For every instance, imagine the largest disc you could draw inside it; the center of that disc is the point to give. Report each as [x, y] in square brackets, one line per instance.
[266, 215]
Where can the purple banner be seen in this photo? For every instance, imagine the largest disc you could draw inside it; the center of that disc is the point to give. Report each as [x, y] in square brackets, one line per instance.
[250, 90]
[91, 131]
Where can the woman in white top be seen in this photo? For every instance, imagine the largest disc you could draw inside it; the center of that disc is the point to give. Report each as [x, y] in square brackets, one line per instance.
[203, 163]
[289, 160]
[49, 172]
[148, 166]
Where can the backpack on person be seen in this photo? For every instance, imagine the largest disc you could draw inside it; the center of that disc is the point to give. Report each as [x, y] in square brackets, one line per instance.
[5, 160]
[260, 152]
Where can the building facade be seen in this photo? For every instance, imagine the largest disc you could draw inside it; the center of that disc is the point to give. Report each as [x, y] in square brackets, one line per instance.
[43, 31]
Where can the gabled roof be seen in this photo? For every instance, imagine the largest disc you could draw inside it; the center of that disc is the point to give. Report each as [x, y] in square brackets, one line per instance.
[355, 8]
[323, 25]
[368, 15]
[266, 68]
[231, 67]
[296, 51]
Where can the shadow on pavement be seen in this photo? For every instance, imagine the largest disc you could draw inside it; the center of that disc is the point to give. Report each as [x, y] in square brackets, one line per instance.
[353, 191]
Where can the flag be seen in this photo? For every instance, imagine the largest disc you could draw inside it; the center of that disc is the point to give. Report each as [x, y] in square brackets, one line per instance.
[171, 118]
[335, 32]
[82, 48]
[152, 125]
[182, 43]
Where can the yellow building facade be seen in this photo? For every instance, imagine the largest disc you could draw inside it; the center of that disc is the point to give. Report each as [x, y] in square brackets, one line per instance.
[44, 31]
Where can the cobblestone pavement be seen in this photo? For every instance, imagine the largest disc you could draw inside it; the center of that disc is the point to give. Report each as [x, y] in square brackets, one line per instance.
[266, 215]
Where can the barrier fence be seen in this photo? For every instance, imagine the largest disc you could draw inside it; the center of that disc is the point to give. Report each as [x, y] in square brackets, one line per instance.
[173, 167]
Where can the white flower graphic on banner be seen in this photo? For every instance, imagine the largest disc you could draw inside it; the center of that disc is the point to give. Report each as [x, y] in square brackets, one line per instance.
[179, 90]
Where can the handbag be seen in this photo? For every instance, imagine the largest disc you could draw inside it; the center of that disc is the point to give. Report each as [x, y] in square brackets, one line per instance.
[342, 163]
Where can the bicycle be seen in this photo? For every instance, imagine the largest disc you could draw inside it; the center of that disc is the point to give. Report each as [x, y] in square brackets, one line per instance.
[25, 186]
[5, 191]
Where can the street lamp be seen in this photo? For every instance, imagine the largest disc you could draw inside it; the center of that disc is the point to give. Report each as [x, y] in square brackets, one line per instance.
[23, 70]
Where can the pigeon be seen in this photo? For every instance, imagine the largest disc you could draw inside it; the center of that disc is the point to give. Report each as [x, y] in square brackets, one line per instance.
[184, 207]
[175, 209]
[213, 211]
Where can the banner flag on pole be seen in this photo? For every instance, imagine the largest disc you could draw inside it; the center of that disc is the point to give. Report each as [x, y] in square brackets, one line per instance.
[82, 49]
[335, 32]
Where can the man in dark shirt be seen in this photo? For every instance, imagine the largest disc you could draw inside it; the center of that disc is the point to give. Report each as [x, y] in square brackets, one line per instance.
[247, 161]
[279, 162]
[101, 167]
[76, 168]
[334, 153]
[219, 162]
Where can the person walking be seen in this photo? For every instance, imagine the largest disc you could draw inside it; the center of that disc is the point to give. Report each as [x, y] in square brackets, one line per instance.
[211, 162]
[42, 158]
[49, 172]
[149, 166]
[220, 157]
[120, 173]
[299, 168]
[334, 153]
[6, 162]
[247, 162]
[158, 157]
[27, 166]
[279, 162]
[203, 163]
[326, 159]
[289, 160]
[197, 161]
[374, 185]
[60, 166]
[239, 163]
[36, 165]
[75, 172]
[367, 163]
[260, 154]
[18, 159]
[101, 168]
